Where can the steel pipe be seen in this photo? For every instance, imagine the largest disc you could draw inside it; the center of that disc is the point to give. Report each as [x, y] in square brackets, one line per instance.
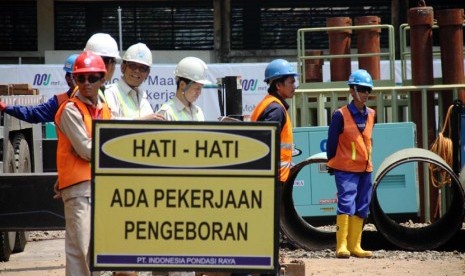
[420, 20]
[450, 24]
[339, 43]
[368, 42]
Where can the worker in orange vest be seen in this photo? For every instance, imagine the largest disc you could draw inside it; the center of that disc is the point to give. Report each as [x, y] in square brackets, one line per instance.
[74, 128]
[280, 77]
[348, 150]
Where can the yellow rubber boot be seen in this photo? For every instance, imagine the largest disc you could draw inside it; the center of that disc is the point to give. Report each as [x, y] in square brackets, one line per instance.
[342, 223]
[355, 238]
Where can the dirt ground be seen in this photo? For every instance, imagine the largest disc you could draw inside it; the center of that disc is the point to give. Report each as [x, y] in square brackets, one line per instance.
[47, 258]
[354, 266]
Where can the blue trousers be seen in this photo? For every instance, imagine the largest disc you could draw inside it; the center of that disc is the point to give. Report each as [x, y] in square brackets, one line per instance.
[353, 193]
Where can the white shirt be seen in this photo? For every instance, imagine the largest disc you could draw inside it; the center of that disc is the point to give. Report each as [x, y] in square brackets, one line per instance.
[125, 102]
[175, 110]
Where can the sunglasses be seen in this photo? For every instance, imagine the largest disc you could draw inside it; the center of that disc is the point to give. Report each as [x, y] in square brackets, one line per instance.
[109, 60]
[142, 68]
[89, 78]
[363, 89]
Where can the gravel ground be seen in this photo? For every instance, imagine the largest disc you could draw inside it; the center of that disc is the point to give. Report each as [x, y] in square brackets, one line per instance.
[323, 262]
[429, 255]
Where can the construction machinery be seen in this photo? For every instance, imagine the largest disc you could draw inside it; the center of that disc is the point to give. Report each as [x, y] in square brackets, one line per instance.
[26, 180]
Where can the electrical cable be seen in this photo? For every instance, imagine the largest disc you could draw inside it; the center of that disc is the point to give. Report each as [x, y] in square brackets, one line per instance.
[443, 147]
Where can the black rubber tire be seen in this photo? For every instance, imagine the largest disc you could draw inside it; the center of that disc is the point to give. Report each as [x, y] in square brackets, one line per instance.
[20, 241]
[10, 159]
[7, 240]
[22, 155]
[6, 248]
[22, 161]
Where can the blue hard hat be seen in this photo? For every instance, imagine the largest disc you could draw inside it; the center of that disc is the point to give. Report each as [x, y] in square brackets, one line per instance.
[69, 63]
[279, 68]
[360, 77]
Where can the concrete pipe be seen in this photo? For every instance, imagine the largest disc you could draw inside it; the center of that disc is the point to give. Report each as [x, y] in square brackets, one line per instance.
[433, 235]
[451, 40]
[339, 44]
[368, 43]
[293, 226]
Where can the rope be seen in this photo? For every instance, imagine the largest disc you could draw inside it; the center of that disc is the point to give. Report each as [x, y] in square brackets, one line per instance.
[442, 146]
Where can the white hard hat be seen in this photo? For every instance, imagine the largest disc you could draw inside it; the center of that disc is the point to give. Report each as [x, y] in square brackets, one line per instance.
[103, 45]
[139, 53]
[192, 68]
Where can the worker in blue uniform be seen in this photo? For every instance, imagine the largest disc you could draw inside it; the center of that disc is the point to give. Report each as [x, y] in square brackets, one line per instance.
[44, 112]
[349, 149]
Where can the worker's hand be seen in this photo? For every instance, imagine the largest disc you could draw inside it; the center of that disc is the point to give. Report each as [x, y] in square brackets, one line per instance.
[57, 194]
[330, 171]
[2, 106]
[154, 116]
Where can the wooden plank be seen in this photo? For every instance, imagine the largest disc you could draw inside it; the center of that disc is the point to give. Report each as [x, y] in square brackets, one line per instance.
[21, 86]
[4, 89]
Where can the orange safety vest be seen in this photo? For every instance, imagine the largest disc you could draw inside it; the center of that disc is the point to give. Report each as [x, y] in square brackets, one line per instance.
[353, 152]
[286, 135]
[72, 169]
[62, 97]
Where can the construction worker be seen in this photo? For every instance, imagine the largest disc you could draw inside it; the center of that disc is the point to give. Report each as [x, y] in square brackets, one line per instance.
[44, 112]
[280, 77]
[105, 46]
[74, 128]
[191, 76]
[348, 150]
[125, 98]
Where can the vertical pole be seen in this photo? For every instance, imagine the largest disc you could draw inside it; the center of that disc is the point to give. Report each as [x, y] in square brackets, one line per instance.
[5, 141]
[120, 28]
